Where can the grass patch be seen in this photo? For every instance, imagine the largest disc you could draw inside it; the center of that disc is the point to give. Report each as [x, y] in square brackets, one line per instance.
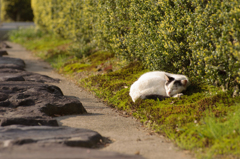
[205, 120]
[197, 121]
[34, 39]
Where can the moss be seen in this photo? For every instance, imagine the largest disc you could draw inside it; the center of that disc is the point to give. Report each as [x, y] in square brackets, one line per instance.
[100, 56]
[90, 63]
[176, 117]
[75, 67]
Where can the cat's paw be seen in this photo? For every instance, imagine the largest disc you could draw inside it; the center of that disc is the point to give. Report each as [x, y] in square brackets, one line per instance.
[178, 95]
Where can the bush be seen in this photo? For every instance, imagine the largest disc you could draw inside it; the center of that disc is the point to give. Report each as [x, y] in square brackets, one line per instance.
[16, 10]
[198, 38]
[214, 40]
[70, 19]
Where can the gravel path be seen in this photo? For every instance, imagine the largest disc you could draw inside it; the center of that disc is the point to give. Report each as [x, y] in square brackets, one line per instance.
[128, 135]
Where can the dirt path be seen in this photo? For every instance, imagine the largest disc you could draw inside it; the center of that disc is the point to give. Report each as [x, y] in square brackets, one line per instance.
[127, 134]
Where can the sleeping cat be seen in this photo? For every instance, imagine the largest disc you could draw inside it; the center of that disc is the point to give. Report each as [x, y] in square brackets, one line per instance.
[158, 84]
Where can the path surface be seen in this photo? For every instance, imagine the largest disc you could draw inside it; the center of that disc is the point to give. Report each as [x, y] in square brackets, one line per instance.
[127, 134]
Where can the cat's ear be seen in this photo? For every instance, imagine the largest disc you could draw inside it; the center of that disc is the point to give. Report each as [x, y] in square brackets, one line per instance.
[184, 82]
[168, 78]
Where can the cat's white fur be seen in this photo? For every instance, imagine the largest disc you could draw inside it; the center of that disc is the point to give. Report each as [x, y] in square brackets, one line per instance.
[155, 83]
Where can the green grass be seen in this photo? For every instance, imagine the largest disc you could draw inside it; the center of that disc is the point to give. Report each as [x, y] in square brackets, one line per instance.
[34, 39]
[205, 120]
[201, 121]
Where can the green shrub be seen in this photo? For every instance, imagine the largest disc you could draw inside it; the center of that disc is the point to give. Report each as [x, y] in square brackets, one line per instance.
[214, 38]
[71, 19]
[16, 10]
[197, 38]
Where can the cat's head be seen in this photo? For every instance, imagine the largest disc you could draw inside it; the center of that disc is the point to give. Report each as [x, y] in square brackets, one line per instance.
[173, 86]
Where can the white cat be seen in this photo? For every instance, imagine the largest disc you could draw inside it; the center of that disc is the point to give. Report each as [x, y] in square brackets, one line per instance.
[158, 84]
